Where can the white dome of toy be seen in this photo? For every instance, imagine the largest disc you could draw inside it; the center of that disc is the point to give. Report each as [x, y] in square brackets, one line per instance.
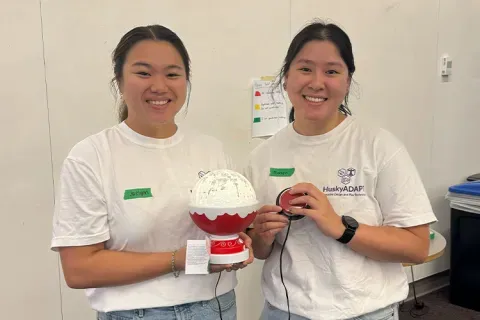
[223, 189]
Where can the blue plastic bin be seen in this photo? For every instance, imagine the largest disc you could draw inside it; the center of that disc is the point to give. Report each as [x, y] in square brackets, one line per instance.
[465, 245]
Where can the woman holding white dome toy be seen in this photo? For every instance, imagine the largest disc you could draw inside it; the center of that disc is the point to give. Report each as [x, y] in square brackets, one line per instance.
[361, 204]
[121, 219]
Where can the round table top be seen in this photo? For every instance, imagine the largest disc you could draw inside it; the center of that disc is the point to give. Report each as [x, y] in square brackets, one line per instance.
[437, 248]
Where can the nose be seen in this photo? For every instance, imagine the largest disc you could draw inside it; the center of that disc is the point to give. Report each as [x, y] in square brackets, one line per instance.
[159, 85]
[318, 81]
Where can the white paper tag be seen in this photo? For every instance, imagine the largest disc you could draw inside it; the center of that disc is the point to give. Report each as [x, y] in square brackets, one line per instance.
[197, 257]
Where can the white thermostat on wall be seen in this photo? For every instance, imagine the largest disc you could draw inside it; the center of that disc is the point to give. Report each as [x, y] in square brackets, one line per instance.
[446, 65]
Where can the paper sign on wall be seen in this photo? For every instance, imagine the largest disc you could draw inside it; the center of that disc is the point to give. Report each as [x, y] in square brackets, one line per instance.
[269, 108]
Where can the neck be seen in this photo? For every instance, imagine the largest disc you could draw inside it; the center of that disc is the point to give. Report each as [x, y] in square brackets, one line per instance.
[159, 131]
[316, 127]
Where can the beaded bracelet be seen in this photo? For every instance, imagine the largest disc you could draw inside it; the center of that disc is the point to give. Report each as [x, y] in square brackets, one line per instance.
[176, 273]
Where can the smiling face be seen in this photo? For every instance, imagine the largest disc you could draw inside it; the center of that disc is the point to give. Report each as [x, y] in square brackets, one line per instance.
[317, 82]
[154, 86]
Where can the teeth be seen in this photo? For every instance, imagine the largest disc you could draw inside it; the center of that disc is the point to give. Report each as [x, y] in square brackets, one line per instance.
[158, 103]
[313, 99]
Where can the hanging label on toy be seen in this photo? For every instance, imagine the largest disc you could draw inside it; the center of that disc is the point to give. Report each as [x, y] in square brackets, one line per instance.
[197, 258]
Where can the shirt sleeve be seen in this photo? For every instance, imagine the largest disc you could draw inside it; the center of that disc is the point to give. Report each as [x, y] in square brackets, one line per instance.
[401, 195]
[247, 171]
[80, 216]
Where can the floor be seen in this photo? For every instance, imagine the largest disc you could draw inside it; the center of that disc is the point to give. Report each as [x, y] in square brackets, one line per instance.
[439, 308]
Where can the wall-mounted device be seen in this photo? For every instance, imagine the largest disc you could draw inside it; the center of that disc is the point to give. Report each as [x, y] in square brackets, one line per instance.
[446, 65]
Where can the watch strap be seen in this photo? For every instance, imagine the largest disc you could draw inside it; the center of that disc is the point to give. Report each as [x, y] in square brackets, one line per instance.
[346, 236]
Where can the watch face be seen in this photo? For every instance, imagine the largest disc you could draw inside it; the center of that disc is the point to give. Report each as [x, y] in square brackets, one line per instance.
[352, 223]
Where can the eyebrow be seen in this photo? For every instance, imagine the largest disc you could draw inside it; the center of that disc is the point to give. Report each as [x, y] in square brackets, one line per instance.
[147, 65]
[331, 63]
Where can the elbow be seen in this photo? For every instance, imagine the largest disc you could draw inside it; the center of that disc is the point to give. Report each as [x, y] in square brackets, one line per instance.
[75, 281]
[77, 277]
[77, 266]
[419, 256]
[75, 285]
[418, 259]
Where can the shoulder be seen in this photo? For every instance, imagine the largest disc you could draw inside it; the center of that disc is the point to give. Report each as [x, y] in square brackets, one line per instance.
[371, 132]
[379, 138]
[265, 147]
[211, 149]
[91, 148]
[377, 143]
[194, 138]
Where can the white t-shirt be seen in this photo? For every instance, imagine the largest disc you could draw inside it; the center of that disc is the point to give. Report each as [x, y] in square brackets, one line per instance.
[119, 163]
[367, 174]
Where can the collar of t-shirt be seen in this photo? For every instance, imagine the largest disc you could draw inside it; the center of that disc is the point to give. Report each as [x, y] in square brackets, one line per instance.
[150, 142]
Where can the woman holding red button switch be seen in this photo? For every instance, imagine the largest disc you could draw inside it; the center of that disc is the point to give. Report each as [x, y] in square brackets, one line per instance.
[356, 208]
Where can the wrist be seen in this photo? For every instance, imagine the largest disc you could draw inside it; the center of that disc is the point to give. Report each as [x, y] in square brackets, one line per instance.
[338, 228]
[350, 227]
[250, 232]
[268, 245]
[261, 248]
[177, 262]
[261, 240]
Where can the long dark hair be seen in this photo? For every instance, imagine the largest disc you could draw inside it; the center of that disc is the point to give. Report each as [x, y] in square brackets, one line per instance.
[130, 39]
[321, 32]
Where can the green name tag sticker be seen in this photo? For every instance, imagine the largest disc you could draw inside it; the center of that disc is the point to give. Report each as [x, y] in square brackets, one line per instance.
[281, 172]
[137, 193]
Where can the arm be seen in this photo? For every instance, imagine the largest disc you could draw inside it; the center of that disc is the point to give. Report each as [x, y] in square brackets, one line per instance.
[407, 213]
[404, 204]
[383, 243]
[266, 225]
[390, 244]
[80, 229]
[94, 266]
[261, 250]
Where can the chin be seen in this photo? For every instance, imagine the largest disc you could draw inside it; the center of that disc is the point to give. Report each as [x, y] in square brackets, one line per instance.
[161, 119]
[317, 116]
[157, 122]
[320, 113]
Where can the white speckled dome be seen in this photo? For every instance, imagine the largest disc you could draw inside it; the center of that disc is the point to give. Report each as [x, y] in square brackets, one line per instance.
[223, 189]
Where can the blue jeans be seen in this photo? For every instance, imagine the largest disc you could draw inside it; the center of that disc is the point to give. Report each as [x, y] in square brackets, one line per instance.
[201, 310]
[388, 313]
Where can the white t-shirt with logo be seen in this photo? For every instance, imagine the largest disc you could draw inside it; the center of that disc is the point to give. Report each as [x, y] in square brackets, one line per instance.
[367, 174]
[132, 191]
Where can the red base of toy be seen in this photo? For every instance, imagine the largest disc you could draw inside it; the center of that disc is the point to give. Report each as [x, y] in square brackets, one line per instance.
[226, 246]
[227, 249]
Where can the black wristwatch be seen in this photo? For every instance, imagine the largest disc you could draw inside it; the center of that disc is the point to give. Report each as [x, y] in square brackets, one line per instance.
[351, 226]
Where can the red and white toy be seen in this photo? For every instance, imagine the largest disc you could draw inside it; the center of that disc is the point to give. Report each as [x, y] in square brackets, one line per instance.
[223, 203]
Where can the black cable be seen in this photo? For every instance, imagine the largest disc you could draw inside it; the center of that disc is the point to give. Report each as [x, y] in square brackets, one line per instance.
[281, 269]
[218, 301]
[418, 308]
[413, 286]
